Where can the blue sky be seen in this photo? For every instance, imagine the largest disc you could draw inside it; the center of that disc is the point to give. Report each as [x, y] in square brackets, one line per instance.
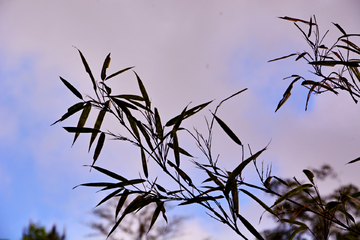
[184, 51]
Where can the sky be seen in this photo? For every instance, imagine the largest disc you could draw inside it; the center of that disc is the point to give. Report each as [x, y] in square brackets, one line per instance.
[184, 51]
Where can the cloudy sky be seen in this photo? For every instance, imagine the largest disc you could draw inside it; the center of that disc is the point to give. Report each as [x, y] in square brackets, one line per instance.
[184, 51]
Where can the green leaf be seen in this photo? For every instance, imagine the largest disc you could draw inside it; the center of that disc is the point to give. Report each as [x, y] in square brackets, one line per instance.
[231, 182]
[292, 192]
[98, 122]
[73, 109]
[144, 163]
[88, 70]
[81, 130]
[259, 201]
[250, 227]
[72, 88]
[99, 146]
[105, 66]
[160, 206]
[228, 131]
[82, 120]
[309, 175]
[118, 72]
[143, 91]
[159, 128]
[355, 160]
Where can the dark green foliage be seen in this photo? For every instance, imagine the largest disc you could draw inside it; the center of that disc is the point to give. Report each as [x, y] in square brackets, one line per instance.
[36, 232]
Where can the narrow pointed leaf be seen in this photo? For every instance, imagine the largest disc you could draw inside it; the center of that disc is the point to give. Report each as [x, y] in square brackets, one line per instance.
[331, 205]
[99, 146]
[157, 211]
[88, 70]
[215, 179]
[176, 149]
[276, 59]
[144, 163]
[81, 130]
[82, 120]
[187, 113]
[310, 27]
[72, 110]
[162, 189]
[110, 174]
[228, 131]
[182, 174]
[98, 122]
[340, 28]
[143, 91]
[121, 202]
[98, 184]
[318, 84]
[287, 94]
[355, 160]
[159, 128]
[181, 150]
[309, 175]
[129, 97]
[296, 20]
[250, 227]
[292, 192]
[200, 199]
[235, 199]
[72, 88]
[301, 55]
[232, 178]
[109, 196]
[259, 201]
[333, 63]
[105, 66]
[118, 72]
[296, 231]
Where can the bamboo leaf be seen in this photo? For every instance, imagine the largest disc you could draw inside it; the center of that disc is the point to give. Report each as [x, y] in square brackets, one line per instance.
[144, 163]
[355, 160]
[105, 66]
[99, 146]
[109, 196]
[200, 199]
[331, 205]
[301, 55]
[160, 206]
[110, 174]
[235, 199]
[354, 63]
[118, 72]
[228, 131]
[250, 227]
[309, 175]
[97, 184]
[181, 150]
[159, 128]
[232, 178]
[129, 97]
[292, 192]
[88, 70]
[318, 84]
[215, 179]
[73, 109]
[81, 130]
[83, 117]
[182, 174]
[176, 149]
[296, 231]
[276, 59]
[187, 113]
[143, 91]
[98, 123]
[162, 189]
[121, 202]
[72, 88]
[340, 28]
[287, 94]
[310, 27]
[259, 201]
[297, 20]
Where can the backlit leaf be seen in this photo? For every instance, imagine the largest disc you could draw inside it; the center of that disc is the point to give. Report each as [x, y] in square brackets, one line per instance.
[143, 91]
[159, 128]
[110, 174]
[88, 70]
[340, 28]
[187, 113]
[276, 59]
[99, 146]
[287, 94]
[72, 88]
[144, 163]
[160, 206]
[250, 227]
[259, 201]
[73, 109]
[121, 202]
[98, 122]
[309, 175]
[296, 20]
[118, 72]
[109, 196]
[292, 192]
[83, 117]
[181, 150]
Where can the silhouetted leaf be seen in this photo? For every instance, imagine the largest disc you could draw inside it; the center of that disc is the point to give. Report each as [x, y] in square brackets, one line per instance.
[182, 174]
[309, 175]
[310, 27]
[159, 128]
[354, 63]
[331, 205]
[355, 160]
[144, 163]
[109, 196]
[228, 131]
[81, 130]
[235, 199]
[162, 189]
[73, 109]
[200, 199]
[318, 84]
[143, 91]
[129, 97]
[110, 174]
[276, 59]
[258, 201]
[231, 182]
[97, 184]
[117, 73]
[340, 28]
[160, 206]
[83, 117]
[88, 70]
[250, 227]
[187, 113]
[72, 88]
[292, 192]
[105, 66]
[296, 20]
[301, 55]
[121, 202]
[98, 122]
[99, 147]
[176, 149]
[287, 94]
